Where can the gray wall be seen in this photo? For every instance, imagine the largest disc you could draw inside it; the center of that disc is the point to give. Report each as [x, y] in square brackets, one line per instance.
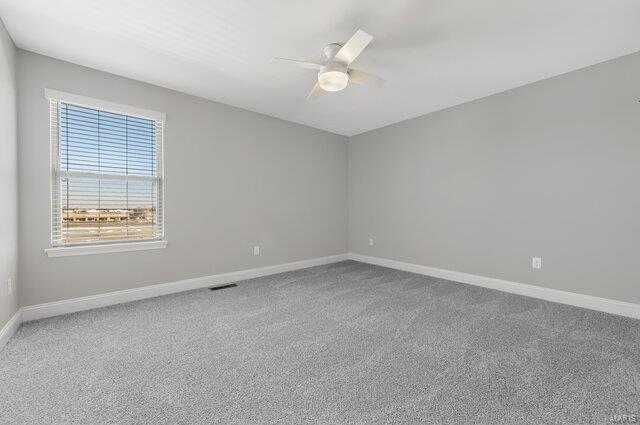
[234, 179]
[8, 177]
[551, 169]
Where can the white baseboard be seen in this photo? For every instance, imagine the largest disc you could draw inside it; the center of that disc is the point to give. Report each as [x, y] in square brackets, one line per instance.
[606, 305]
[10, 328]
[57, 308]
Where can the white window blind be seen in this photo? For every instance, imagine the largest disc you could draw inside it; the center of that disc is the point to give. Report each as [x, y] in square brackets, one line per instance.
[107, 183]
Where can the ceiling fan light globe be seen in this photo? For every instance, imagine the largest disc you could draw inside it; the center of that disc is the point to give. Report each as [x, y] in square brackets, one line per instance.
[333, 80]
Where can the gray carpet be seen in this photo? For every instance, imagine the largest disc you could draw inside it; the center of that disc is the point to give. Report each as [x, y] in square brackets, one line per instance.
[343, 343]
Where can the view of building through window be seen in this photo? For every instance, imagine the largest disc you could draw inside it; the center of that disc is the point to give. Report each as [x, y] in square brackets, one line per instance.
[87, 220]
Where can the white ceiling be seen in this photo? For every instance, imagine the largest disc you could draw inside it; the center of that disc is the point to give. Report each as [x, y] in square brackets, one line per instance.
[433, 53]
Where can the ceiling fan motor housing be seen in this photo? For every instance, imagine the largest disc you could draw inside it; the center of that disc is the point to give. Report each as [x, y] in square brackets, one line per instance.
[331, 50]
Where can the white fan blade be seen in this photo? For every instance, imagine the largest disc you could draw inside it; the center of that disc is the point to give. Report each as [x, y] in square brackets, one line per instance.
[364, 78]
[352, 48]
[315, 92]
[300, 64]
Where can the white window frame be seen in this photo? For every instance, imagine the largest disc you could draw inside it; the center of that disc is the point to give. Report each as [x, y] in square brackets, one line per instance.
[102, 105]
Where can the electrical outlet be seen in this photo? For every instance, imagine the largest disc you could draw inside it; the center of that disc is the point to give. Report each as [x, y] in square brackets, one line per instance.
[256, 250]
[370, 241]
[536, 263]
[9, 286]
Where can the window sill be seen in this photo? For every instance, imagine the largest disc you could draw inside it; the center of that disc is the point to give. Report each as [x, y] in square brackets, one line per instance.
[67, 251]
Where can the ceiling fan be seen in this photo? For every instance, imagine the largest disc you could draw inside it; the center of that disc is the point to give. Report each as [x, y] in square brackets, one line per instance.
[335, 73]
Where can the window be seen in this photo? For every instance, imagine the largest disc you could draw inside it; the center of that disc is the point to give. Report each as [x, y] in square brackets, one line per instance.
[106, 166]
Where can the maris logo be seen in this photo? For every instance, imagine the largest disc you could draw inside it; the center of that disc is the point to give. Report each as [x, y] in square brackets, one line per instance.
[624, 419]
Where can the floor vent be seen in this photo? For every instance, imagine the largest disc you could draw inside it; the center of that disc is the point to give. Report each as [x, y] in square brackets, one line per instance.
[215, 288]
